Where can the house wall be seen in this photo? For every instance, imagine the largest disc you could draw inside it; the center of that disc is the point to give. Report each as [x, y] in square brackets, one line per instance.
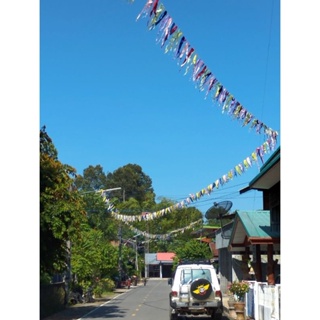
[225, 269]
[274, 202]
[225, 257]
[271, 202]
[240, 268]
[155, 268]
[232, 267]
[274, 196]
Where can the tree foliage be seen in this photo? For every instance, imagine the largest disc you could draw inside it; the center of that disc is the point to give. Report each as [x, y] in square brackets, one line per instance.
[191, 250]
[175, 221]
[72, 208]
[93, 179]
[93, 257]
[134, 184]
[61, 207]
[89, 184]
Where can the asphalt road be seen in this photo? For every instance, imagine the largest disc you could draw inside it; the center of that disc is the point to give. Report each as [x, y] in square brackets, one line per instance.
[150, 302]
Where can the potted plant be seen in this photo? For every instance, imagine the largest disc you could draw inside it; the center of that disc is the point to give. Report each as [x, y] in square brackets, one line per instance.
[239, 289]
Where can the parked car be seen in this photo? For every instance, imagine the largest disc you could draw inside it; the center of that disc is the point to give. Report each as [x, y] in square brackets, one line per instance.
[195, 290]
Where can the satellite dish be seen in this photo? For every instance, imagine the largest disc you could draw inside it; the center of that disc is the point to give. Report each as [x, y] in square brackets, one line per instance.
[218, 210]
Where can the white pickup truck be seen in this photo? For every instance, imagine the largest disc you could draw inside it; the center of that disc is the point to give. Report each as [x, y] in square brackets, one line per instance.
[195, 290]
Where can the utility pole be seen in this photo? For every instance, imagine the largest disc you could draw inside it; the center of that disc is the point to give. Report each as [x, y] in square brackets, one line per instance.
[146, 251]
[120, 239]
[135, 243]
[120, 257]
[68, 273]
[137, 264]
[120, 246]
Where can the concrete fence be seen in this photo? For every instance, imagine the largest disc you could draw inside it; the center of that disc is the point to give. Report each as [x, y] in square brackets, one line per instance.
[263, 301]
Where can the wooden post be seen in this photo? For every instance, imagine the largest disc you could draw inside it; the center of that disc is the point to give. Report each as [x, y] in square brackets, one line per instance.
[258, 269]
[271, 266]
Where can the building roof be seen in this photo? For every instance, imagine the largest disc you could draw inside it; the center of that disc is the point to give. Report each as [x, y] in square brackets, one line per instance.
[160, 257]
[207, 231]
[252, 228]
[268, 176]
[165, 256]
[205, 239]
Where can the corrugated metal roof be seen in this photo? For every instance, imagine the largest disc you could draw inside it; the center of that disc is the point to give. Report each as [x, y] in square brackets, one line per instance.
[268, 176]
[252, 227]
[206, 231]
[255, 223]
[165, 256]
[156, 258]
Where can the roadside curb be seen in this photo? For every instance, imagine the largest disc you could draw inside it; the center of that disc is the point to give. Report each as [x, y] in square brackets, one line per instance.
[80, 309]
[226, 311]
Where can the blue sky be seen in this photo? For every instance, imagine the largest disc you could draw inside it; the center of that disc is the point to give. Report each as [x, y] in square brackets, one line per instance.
[110, 95]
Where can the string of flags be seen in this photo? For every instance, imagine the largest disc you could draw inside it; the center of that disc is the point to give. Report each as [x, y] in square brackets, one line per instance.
[172, 39]
[237, 170]
[163, 236]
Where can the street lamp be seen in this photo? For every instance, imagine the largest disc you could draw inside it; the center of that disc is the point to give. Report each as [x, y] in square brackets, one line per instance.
[112, 189]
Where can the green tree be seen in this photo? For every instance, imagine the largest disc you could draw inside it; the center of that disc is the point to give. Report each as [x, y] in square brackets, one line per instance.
[133, 182]
[61, 208]
[191, 250]
[90, 185]
[93, 179]
[176, 220]
[93, 257]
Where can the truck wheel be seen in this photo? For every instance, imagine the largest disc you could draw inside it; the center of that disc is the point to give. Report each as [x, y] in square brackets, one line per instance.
[173, 316]
[201, 289]
[216, 316]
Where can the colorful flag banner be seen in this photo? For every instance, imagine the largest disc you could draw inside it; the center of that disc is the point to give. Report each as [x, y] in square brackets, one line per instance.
[172, 39]
[162, 236]
[238, 169]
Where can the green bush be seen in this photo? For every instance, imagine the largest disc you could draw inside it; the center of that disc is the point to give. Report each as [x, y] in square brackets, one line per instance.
[45, 278]
[103, 285]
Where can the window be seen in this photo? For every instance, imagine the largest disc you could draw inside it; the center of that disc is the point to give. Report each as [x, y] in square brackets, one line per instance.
[189, 275]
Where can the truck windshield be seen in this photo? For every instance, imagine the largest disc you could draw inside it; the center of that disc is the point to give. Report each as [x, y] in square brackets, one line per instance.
[189, 275]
